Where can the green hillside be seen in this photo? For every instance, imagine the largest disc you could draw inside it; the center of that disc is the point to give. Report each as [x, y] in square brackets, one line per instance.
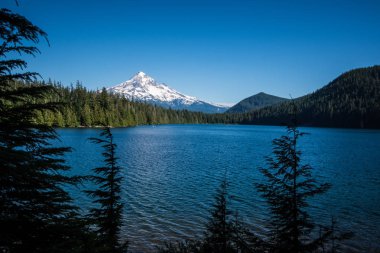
[254, 102]
[351, 100]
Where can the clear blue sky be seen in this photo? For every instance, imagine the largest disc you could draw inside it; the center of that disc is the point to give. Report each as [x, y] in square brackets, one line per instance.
[219, 51]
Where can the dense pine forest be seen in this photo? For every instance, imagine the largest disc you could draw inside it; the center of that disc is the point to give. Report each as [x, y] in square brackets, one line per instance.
[82, 107]
[352, 100]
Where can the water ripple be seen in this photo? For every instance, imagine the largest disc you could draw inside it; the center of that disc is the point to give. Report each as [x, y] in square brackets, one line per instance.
[172, 172]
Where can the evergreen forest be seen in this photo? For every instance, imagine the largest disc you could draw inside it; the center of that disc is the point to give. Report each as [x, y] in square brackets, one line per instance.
[350, 101]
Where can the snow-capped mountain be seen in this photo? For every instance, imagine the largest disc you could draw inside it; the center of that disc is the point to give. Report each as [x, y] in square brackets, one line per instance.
[142, 87]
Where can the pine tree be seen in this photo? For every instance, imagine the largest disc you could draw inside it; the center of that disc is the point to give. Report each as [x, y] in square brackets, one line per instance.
[224, 232]
[287, 189]
[35, 210]
[107, 216]
[218, 235]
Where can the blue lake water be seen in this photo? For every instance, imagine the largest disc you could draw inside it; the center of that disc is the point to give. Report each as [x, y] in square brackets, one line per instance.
[172, 172]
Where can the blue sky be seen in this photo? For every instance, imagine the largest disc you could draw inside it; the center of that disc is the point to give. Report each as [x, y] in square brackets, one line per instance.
[219, 51]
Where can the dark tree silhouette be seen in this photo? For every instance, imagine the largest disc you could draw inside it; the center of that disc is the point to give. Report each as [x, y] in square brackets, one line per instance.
[107, 216]
[224, 232]
[35, 210]
[287, 189]
[218, 235]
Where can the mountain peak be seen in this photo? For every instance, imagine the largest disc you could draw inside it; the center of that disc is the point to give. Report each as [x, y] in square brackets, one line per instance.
[144, 88]
[261, 93]
[141, 79]
[256, 101]
[140, 74]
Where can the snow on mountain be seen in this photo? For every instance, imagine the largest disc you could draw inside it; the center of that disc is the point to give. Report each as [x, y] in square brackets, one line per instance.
[142, 87]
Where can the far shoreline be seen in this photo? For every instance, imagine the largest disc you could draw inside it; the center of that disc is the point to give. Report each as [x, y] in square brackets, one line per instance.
[214, 124]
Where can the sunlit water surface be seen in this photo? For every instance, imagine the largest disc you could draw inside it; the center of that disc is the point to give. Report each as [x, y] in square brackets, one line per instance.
[171, 173]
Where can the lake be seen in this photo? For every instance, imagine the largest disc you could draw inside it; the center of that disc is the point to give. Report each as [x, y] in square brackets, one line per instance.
[172, 172]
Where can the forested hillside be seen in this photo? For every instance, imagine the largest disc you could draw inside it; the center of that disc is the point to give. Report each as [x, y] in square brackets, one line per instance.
[351, 100]
[260, 100]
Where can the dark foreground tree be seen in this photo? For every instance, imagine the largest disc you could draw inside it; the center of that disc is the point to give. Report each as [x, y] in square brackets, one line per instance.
[288, 186]
[35, 210]
[219, 229]
[219, 234]
[107, 216]
[224, 231]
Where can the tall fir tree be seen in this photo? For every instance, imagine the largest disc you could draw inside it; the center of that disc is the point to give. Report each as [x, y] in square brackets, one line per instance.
[219, 229]
[35, 210]
[225, 232]
[107, 215]
[287, 189]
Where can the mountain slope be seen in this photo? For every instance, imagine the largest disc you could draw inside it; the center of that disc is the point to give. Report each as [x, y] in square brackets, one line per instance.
[257, 101]
[351, 100]
[144, 88]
